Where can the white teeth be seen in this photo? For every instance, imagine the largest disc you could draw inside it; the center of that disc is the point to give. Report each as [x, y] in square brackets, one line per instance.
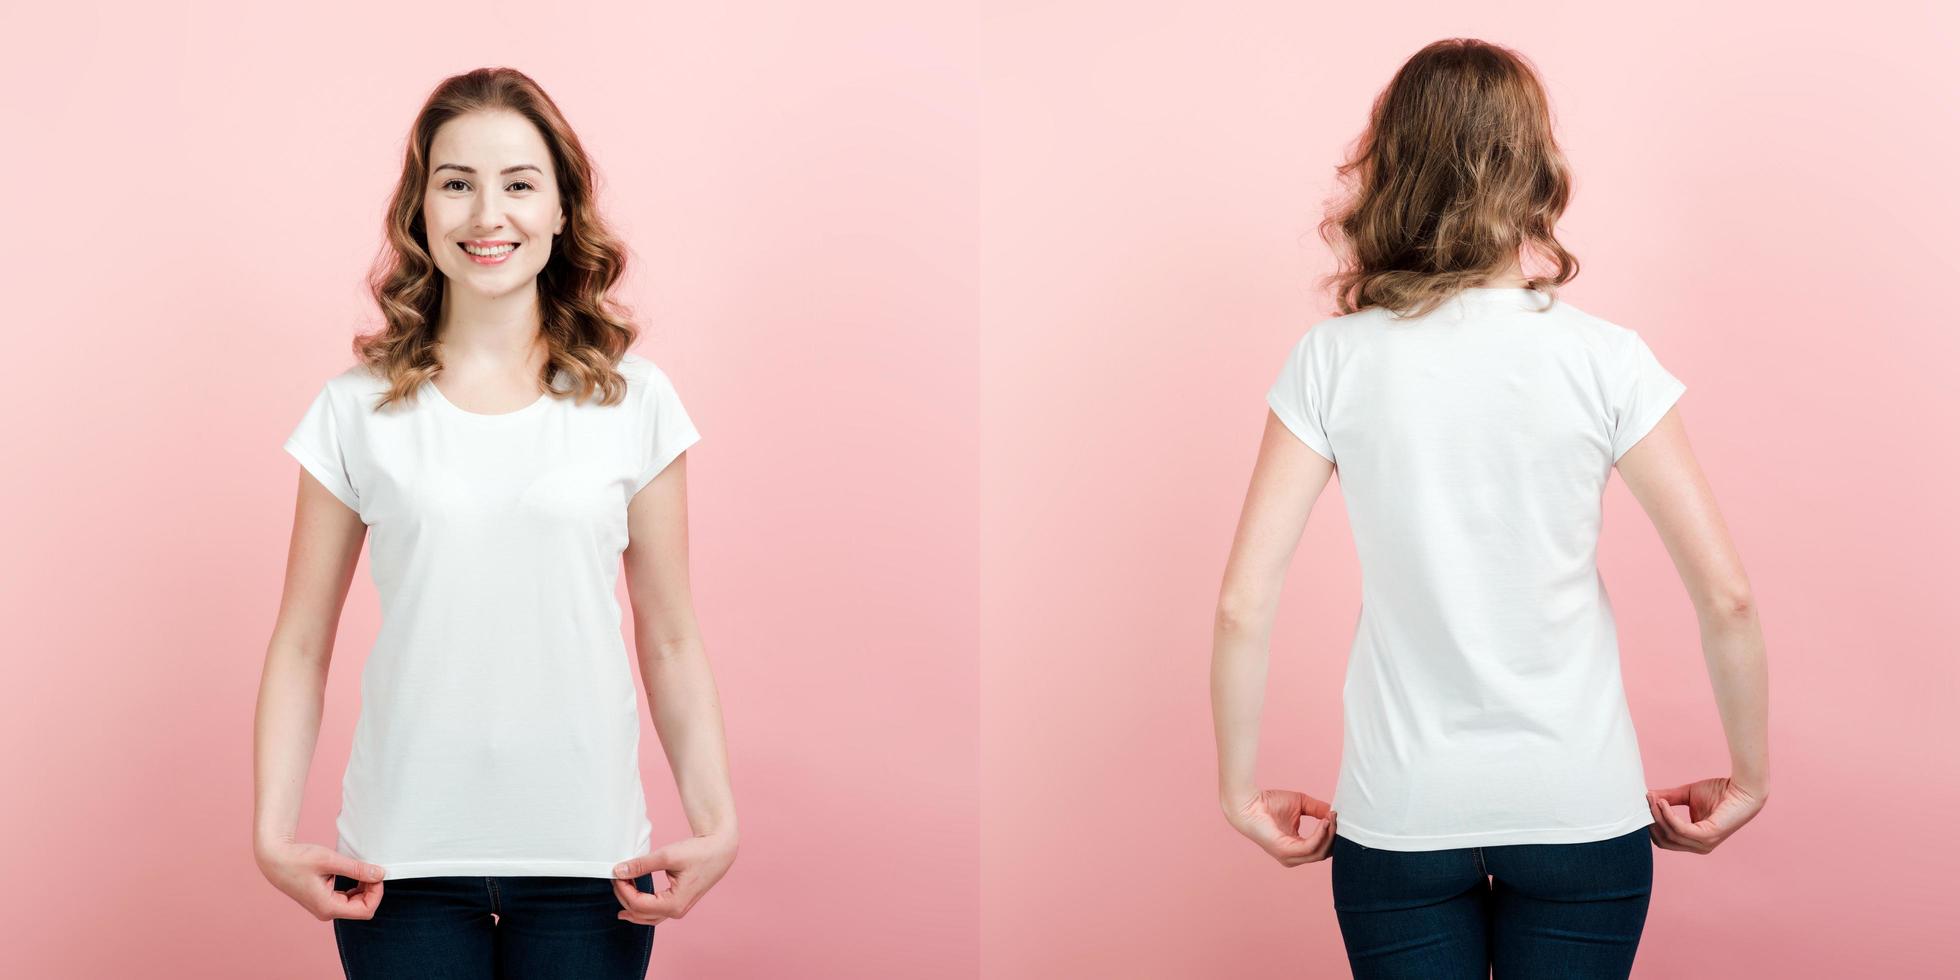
[499, 250]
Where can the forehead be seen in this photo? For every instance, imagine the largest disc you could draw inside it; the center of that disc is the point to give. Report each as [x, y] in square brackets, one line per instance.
[489, 141]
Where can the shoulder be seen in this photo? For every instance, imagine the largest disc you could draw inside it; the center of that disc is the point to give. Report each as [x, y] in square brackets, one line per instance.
[1595, 330]
[1609, 350]
[1329, 336]
[633, 365]
[641, 372]
[354, 385]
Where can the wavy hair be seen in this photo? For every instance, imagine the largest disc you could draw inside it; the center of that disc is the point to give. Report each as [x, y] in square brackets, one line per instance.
[1456, 174]
[586, 331]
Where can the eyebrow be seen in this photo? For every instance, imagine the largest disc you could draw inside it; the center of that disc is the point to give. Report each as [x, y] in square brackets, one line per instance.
[471, 170]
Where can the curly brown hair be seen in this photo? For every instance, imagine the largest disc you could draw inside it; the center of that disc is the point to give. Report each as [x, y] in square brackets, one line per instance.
[585, 330]
[1456, 173]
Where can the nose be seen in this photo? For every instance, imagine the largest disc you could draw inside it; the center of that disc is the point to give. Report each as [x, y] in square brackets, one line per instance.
[486, 216]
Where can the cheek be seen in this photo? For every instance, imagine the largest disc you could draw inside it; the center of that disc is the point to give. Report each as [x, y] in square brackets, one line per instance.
[437, 223]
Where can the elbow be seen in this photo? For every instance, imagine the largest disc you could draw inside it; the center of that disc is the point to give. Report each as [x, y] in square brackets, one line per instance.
[1729, 605]
[666, 650]
[1237, 613]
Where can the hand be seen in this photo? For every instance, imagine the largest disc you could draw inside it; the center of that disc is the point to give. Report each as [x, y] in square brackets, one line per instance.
[692, 865]
[1272, 819]
[1716, 809]
[305, 872]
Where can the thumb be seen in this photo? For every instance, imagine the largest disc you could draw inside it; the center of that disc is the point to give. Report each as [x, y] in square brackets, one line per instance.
[655, 860]
[1290, 846]
[343, 865]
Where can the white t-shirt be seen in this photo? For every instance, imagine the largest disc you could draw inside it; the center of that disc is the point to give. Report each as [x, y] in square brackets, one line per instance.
[1483, 703]
[499, 728]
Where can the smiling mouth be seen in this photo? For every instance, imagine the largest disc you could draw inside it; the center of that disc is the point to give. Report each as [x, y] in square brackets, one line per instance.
[487, 253]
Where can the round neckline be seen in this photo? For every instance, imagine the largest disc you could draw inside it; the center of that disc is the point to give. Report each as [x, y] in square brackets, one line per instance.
[1501, 294]
[443, 400]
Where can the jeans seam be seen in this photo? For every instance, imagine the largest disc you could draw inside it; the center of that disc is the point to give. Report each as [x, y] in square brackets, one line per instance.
[340, 943]
[646, 941]
[1480, 862]
[495, 900]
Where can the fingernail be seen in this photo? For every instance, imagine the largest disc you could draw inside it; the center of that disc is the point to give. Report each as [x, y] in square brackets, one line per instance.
[620, 871]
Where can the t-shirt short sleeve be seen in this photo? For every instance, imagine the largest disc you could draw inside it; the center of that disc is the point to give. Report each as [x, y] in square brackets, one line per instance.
[665, 428]
[1298, 396]
[317, 443]
[1646, 391]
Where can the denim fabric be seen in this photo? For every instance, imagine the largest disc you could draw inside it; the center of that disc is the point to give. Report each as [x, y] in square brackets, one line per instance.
[440, 928]
[1513, 912]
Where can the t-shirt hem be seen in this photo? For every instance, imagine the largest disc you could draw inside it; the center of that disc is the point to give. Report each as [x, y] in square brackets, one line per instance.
[667, 456]
[1640, 427]
[560, 869]
[1494, 838]
[1299, 428]
[325, 474]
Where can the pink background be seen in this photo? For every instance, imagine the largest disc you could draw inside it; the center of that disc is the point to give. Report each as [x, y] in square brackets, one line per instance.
[1768, 199]
[796, 185]
[974, 306]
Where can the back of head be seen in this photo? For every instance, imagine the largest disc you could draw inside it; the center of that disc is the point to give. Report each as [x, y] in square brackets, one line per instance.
[1456, 176]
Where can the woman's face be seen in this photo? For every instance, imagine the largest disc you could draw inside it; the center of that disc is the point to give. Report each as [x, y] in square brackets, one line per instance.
[491, 187]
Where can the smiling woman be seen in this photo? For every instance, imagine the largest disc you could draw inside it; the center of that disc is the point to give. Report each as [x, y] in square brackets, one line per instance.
[503, 452]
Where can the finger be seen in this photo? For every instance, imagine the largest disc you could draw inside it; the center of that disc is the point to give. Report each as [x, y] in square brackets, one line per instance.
[1682, 833]
[654, 908]
[1300, 849]
[1660, 832]
[1674, 795]
[1322, 846]
[1695, 835]
[658, 859]
[642, 917]
[357, 904]
[1317, 809]
[1323, 841]
[1665, 812]
[341, 864]
[628, 892]
[1289, 846]
[647, 903]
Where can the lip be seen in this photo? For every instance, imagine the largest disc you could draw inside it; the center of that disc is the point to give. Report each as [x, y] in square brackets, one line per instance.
[489, 260]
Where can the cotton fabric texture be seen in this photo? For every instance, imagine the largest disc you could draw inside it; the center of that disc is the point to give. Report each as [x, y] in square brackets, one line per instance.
[1483, 703]
[499, 727]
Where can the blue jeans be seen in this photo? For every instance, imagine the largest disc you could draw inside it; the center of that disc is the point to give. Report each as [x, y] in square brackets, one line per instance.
[1545, 910]
[439, 928]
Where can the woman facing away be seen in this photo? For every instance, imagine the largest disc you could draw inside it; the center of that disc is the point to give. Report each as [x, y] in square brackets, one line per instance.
[505, 450]
[1491, 812]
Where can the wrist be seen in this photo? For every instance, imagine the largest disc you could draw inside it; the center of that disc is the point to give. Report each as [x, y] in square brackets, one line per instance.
[1232, 799]
[1752, 777]
[267, 837]
[1755, 786]
[724, 827]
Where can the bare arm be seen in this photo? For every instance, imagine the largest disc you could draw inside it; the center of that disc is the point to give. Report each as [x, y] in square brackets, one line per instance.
[681, 696]
[1661, 472]
[1286, 481]
[320, 561]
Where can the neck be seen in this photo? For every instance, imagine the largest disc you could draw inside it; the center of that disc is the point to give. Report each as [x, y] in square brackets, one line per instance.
[474, 325]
